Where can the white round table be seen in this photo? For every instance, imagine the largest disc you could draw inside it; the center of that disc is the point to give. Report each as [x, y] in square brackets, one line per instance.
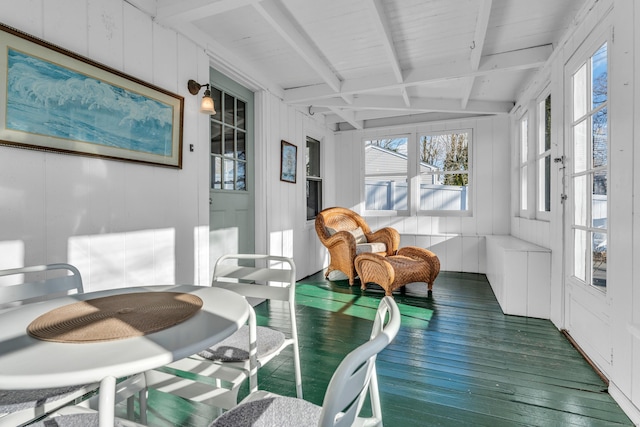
[30, 363]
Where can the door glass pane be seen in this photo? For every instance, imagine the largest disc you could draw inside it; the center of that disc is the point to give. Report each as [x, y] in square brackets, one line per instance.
[580, 200]
[229, 135]
[216, 95]
[580, 146]
[599, 200]
[241, 145]
[600, 138]
[229, 175]
[216, 138]
[241, 176]
[579, 251]
[229, 108]
[599, 259]
[216, 173]
[242, 106]
[580, 92]
[599, 83]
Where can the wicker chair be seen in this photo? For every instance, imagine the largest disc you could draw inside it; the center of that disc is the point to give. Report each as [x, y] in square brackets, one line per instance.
[338, 231]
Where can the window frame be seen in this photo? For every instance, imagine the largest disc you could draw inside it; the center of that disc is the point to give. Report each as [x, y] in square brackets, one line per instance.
[220, 120]
[386, 212]
[313, 178]
[468, 172]
[413, 174]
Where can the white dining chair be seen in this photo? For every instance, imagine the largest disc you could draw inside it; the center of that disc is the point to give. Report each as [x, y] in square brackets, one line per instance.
[344, 396]
[230, 362]
[27, 285]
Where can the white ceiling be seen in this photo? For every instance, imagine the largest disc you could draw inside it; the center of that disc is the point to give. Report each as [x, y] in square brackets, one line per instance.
[367, 63]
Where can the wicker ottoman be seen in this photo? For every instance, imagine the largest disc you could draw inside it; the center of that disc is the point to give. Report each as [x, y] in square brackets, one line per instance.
[411, 264]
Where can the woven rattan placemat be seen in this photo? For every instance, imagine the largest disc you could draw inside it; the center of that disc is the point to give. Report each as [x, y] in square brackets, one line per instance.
[114, 317]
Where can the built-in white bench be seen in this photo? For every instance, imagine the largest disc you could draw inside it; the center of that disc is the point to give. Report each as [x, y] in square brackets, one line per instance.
[520, 275]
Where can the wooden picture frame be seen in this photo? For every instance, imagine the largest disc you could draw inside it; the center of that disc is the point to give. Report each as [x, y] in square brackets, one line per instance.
[288, 161]
[59, 101]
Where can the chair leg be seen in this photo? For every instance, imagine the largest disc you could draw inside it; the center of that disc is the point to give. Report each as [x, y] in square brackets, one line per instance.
[374, 396]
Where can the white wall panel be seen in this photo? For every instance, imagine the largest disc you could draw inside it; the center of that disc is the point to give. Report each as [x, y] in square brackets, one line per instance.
[287, 230]
[121, 223]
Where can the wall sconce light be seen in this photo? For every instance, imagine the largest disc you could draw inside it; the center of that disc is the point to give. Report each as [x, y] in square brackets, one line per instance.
[206, 105]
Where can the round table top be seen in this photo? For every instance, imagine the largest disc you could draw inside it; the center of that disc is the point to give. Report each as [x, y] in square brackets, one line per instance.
[27, 362]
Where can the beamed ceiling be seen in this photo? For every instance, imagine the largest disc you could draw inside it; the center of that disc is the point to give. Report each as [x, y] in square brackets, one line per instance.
[370, 63]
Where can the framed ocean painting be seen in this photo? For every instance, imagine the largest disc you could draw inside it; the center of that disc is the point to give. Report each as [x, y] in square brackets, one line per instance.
[56, 100]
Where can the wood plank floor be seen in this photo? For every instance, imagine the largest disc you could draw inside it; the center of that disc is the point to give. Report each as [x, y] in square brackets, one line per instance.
[456, 361]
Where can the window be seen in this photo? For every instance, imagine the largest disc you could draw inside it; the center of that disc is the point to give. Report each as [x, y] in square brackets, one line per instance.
[524, 165]
[314, 179]
[438, 163]
[590, 144]
[385, 182]
[544, 156]
[444, 171]
[228, 142]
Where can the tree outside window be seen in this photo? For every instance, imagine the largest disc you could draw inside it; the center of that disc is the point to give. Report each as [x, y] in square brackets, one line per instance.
[444, 171]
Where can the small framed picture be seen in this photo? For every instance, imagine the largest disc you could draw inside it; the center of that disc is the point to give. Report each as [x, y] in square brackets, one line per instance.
[289, 162]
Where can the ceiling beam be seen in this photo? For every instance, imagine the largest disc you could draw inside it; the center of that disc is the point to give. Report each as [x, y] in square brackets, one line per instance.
[274, 14]
[383, 28]
[347, 116]
[192, 10]
[479, 36]
[521, 59]
[396, 103]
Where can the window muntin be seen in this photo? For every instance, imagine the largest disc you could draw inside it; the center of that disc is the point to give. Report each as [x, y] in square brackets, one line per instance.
[590, 146]
[444, 171]
[544, 156]
[386, 174]
[314, 178]
[228, 142]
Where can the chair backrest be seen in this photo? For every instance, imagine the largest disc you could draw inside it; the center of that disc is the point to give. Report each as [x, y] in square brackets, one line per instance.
[349, 384]
[38, 282]
[339, 219]
[267, 269]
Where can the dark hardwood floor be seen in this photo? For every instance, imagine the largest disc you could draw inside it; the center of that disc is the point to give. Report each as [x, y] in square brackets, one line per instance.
[457, 360]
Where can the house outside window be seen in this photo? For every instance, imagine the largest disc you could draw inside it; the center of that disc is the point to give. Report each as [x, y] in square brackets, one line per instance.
[314, 178]
[386, 174]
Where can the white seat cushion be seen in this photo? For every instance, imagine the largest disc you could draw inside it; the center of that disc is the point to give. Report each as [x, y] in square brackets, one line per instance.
[236, 347]
[370, 247]
[18, 400]
[271, 412]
